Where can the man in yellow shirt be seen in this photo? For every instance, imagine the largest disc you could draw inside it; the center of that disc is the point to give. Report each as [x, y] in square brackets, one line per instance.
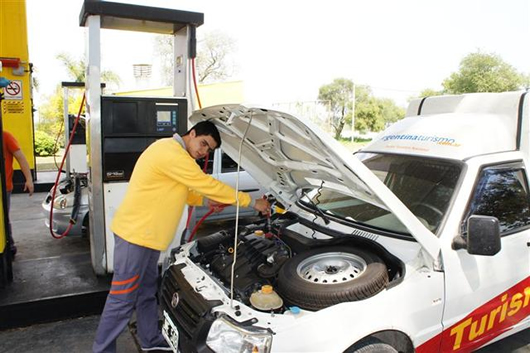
[166, 177]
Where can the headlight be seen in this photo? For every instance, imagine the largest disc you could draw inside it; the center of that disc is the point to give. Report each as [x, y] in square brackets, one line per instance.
[60, 202]
[227, 337]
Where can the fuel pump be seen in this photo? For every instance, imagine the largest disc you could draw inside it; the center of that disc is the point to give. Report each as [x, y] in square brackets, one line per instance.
[76, 161]
[119, 128]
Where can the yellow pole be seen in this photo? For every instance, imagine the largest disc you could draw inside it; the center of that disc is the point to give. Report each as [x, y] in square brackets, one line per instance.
[17, 106]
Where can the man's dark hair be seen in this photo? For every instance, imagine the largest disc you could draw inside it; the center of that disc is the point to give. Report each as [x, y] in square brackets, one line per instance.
[206, 128]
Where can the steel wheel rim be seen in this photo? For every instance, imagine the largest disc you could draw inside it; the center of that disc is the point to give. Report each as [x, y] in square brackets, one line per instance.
[331, 268]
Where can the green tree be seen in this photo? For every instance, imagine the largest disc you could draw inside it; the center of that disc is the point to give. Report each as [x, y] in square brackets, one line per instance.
[482, 72]
[428, 92]
[372, 113]
[44, 144]
[339, 94]
[76, 69]
[390, 111]
[51, 112]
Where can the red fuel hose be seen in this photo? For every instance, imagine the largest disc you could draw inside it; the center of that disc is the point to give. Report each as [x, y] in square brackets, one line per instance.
[210, 211]
[190, 209]
[54, 190]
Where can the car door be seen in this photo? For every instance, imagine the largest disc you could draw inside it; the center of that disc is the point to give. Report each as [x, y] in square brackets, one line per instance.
[488, 296]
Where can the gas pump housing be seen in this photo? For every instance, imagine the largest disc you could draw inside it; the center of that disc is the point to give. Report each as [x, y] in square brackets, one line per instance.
[130, 124]
[120, 128]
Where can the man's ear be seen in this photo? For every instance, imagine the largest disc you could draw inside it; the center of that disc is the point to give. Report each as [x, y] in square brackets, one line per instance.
[192, 134]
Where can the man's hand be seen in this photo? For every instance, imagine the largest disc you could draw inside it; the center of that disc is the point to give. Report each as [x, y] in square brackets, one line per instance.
[29, 187]
[263, 206]
[216, 206]
[24, 166]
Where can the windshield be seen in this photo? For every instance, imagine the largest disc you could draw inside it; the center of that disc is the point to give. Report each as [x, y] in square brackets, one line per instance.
[424, 185]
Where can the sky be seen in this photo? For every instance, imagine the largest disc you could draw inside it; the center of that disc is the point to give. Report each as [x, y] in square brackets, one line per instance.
[287, 49]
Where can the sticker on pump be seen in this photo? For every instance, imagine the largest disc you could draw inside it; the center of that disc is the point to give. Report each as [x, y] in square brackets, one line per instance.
[13, 90]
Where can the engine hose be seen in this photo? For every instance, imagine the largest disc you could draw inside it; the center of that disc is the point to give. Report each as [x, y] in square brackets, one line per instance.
[54, 189]
[210, 211]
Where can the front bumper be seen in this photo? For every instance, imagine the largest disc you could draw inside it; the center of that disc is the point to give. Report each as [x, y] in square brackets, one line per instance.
[61, 218]
[187, 309]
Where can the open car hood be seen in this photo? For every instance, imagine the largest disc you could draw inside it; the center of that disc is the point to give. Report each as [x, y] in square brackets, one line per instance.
[285, 155]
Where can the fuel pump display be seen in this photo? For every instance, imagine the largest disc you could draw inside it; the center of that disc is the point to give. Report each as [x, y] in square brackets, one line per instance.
[130, 124]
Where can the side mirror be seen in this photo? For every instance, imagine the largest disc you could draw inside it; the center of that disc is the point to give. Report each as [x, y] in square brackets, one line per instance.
[483, 235]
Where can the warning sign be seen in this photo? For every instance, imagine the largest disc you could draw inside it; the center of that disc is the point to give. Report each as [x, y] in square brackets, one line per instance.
[13, 107]
[13, 90]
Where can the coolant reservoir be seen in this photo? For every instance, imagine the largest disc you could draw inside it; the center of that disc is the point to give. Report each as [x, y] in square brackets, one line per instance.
[266, 299]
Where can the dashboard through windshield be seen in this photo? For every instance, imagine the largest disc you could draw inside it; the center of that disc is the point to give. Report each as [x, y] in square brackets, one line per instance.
[424, 185]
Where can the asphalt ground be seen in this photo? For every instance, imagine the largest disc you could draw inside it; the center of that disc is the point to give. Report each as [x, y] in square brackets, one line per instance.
[77, 335]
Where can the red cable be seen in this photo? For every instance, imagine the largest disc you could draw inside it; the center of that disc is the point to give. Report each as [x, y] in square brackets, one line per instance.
[60, 236]
[212, 209]
[190, 209]
[199, 223]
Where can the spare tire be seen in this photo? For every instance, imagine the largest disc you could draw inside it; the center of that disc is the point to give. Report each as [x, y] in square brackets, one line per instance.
[319, 278]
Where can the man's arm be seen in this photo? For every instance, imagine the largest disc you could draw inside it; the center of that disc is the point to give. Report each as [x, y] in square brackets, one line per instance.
[24, 166]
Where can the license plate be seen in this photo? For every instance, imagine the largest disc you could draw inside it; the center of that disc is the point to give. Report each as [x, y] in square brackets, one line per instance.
[170, 332]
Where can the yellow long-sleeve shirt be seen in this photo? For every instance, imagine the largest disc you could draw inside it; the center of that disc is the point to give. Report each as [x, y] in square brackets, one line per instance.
[164, 180]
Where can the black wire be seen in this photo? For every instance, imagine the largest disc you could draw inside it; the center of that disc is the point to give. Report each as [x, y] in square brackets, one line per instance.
[316, 204]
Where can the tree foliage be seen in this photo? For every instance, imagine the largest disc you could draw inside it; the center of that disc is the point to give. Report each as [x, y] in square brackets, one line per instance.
[213, 60]
[213, 57]
[163, 48]
[44, 144]
[51, 112]
[428, 92]
[481, 72]
[339, 95]
[371, 113]
[76, 69]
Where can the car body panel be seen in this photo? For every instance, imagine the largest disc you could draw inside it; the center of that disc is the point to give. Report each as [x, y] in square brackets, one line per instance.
[285, 154]
[451, 300]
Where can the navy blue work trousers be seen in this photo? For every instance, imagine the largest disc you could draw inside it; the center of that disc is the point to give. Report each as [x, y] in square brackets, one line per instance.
[134, 286]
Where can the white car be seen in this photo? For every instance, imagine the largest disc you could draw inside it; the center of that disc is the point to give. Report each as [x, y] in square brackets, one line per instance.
[63, 206]
[220, 166]
[418, 243]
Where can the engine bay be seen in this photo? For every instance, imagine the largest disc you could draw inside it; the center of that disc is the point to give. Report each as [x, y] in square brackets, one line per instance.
[278, 267]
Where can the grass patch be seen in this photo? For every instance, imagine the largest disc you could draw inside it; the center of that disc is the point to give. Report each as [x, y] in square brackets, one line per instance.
[356, 144]
[49, 163]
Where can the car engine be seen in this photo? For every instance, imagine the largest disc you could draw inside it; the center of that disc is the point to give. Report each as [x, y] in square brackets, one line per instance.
[294, 266]
[260, 255]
